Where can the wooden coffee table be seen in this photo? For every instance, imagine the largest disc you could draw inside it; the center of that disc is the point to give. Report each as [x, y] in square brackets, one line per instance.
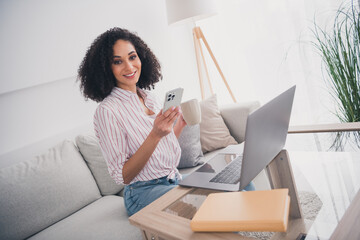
[169, 216]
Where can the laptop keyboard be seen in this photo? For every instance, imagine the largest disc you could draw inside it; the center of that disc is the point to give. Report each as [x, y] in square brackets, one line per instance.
[230, 174]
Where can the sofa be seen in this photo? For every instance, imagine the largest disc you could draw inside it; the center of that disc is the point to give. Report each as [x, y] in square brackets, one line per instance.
[65, 192]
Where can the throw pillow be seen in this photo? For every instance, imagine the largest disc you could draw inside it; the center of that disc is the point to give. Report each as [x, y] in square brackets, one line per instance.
[189, 141]
[90, 149]
[213, 132]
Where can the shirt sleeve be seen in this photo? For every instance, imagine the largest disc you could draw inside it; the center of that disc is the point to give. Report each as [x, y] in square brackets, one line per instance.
[112, 141]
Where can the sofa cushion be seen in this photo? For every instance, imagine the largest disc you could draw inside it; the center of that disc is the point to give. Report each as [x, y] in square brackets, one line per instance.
[41, 191]
[90, 150]
[190, 145]
[213, 132]
[104, 219]
[235, 117]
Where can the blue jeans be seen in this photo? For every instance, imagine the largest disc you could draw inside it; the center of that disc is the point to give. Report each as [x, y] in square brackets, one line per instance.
[249, 187]
[140, 194]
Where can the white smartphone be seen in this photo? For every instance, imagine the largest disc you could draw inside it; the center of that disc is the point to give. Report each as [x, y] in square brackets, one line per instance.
[173, 98]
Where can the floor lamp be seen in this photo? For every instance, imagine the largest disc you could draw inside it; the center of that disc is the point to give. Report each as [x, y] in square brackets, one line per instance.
[182, 10]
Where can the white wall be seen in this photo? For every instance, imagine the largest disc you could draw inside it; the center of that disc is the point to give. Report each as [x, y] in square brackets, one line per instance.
[264, 47]
[43, 41]
[42, 44]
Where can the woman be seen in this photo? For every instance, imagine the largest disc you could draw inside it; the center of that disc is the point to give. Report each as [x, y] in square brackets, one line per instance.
[138, 141]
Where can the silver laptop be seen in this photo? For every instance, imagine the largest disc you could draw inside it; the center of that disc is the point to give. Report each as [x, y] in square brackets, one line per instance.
[265, 136]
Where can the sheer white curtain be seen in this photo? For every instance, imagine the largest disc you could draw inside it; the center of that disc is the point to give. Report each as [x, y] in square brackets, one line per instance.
[264, 47]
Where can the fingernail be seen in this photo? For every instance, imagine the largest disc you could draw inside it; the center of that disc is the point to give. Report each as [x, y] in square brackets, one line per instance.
[172, 108]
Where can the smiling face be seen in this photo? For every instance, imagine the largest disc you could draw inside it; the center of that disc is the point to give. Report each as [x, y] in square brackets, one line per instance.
[126, 65]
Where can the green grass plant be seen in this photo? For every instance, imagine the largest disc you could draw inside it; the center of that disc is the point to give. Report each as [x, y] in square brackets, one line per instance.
[340, 52]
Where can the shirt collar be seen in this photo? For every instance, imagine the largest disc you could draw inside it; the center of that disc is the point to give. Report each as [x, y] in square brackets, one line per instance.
[126, 94]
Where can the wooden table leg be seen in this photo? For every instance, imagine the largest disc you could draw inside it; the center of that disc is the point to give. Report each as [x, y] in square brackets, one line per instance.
[281, 176]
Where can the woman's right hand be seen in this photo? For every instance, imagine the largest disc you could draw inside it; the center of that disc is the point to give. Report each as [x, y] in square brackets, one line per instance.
[163, 125]
[164, 122]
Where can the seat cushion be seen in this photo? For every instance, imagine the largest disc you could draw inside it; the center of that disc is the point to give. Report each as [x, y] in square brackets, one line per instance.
[39, 192]
[104, 219]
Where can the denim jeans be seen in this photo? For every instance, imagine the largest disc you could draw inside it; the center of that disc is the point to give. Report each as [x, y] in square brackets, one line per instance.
[140, 194]
[249, 187]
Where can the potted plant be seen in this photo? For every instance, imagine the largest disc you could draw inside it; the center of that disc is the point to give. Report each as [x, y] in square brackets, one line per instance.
[340, 52]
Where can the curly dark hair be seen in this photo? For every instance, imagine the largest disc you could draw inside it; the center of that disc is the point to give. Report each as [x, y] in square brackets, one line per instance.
[95, 74]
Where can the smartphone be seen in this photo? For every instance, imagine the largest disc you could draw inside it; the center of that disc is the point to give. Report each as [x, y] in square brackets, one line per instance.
[173, 98]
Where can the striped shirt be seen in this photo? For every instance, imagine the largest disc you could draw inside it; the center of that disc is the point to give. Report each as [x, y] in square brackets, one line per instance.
[121, 126]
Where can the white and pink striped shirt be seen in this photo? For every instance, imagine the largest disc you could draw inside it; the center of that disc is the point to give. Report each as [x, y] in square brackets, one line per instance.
[121, 125]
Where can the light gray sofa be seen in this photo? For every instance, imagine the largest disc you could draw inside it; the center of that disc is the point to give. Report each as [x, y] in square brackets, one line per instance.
[57, 193]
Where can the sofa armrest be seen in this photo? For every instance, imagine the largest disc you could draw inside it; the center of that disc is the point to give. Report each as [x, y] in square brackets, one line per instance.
[235, 117]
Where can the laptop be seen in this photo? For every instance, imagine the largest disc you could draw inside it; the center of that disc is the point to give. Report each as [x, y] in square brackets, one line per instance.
[238, 165]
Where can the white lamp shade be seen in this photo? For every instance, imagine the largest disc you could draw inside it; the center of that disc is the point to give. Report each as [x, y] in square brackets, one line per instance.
[181, 10]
